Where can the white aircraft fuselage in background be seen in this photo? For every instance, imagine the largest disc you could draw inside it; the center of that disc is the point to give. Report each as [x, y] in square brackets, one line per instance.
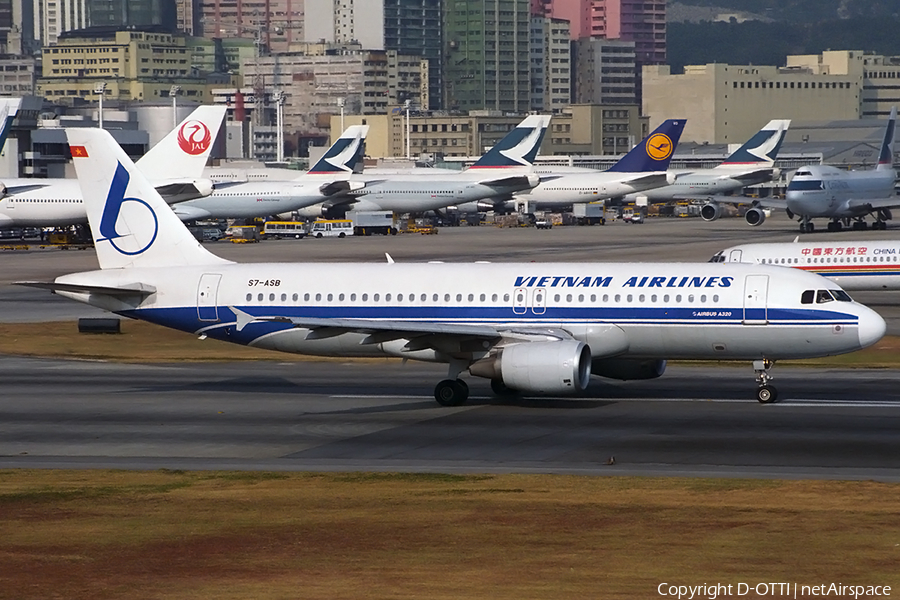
[860, 265]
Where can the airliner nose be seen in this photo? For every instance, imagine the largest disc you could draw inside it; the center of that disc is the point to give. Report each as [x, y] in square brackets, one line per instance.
[871, 327]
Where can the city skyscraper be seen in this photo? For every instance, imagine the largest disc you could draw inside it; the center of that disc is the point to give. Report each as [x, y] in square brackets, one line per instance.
[278, 23]
[409, 27]
[640, 21]
[487, 58]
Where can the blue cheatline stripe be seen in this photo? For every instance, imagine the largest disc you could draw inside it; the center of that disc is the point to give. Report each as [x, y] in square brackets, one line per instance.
[186, 318]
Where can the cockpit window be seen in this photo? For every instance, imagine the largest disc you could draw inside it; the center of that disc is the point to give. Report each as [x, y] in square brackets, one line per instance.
[807, 297]
[720, 257]
[803, 172]
[823, 296]
[841, 296]
[807, 185]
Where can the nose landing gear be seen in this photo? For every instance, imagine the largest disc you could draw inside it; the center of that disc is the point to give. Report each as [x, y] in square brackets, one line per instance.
[765, 393]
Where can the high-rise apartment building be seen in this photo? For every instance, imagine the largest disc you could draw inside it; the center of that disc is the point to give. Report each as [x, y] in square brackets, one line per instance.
[604, 72]
[408, 27]
[132, 13]
[277, 23]
[551, 65]
[640, 21]
[487, 57]
[59, 16]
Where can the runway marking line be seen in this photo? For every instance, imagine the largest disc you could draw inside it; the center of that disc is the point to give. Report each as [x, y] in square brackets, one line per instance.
[794, 402]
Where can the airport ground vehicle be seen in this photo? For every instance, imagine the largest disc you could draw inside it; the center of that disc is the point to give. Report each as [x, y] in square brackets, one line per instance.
[284, 229]
[332, 228]
[589, 213]
[243, 234]
[373, 222]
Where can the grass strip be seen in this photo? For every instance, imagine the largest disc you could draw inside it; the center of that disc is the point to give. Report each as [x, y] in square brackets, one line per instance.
[145, 342]
[171, 534]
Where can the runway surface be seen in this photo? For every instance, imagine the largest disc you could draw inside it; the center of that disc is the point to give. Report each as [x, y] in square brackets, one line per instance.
[695, 421]
[380, 416]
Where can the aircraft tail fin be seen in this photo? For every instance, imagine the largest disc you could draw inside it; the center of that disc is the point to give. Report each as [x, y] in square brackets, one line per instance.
[886, 158]
[183, 153]
[655, 152]
[763, 147]
[9, 108]
[131, 224]
[346, 154]
[519, 147]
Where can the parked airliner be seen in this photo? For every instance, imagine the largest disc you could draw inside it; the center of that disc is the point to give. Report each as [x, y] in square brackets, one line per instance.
[641, 169]
[174, 166]
[862, 265]
[504, 169]
[844, 197]
[528, 327]
[329, 177]
[751, 164]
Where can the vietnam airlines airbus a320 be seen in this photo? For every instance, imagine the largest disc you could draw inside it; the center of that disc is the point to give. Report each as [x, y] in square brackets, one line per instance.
[528, 327]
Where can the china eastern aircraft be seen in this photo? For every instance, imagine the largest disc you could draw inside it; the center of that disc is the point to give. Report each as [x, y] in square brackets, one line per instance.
[643, 168]
[752, 163]
[174, 166]
[504, 169]
[863, 265]
[329, 177]
[528, 327]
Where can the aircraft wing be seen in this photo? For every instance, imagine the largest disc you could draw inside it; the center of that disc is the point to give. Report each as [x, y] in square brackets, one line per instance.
[448, 337]
[525, 181]
[174, 191]
[136, 289]
[342, 186]
[658, 179]
[778, 203]
[754, 175]
[21, 189]
[889, 202]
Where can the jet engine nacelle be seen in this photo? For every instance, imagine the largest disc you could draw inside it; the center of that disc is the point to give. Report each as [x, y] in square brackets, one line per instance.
[562, 367]
[310, 212]
[755, 217]
[710, 211]
[627, 369]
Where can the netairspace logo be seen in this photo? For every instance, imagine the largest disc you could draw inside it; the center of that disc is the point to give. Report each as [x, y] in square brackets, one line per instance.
[780, 589]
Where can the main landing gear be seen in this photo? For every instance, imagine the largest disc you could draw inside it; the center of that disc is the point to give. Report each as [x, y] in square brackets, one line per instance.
[452, 391]
[765, 393]
[806, 226]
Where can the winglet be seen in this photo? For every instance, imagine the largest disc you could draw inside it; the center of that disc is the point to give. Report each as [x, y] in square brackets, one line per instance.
[346, 154]
[655, 152]
[519, 147]
[9, 108]
[886, 158]
[183, 153]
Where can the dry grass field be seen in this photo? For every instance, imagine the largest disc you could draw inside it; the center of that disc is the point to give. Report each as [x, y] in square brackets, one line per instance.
[176, 535]
[145, 342]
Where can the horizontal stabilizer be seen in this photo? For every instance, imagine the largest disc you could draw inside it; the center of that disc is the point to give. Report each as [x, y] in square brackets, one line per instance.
[137, 289]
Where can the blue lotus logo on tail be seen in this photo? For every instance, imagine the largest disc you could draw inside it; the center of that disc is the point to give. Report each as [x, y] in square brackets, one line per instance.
[130, 243]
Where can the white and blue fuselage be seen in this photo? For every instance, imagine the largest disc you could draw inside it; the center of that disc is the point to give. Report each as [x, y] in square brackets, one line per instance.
[664, 311]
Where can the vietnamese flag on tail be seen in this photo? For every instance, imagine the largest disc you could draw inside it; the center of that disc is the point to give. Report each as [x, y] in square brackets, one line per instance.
[78, 151]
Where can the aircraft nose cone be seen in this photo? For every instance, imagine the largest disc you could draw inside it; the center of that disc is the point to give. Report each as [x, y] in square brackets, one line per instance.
[871, 327]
